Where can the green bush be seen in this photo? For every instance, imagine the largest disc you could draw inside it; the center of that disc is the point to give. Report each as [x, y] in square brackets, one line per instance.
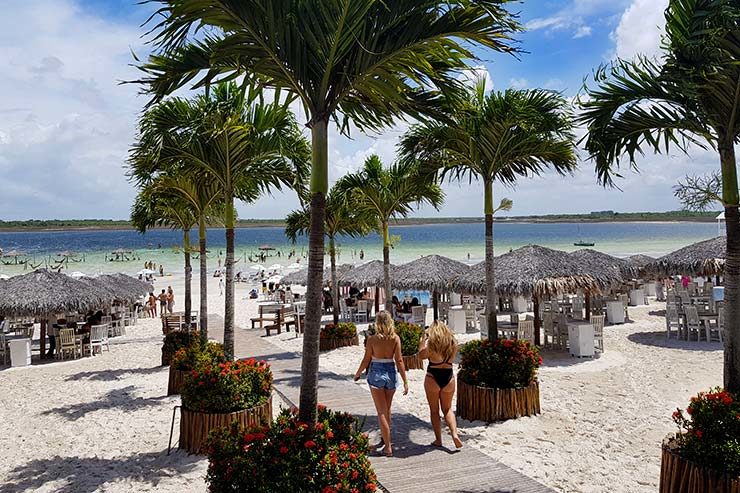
[499, 363]
[342, 330]
[410, 336]
[213, 387]
[710, 435]
[188, 358]
[178, 339]
[290, 456]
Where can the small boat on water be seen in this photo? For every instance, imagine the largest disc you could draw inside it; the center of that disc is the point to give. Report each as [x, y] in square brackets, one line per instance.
[584, 243]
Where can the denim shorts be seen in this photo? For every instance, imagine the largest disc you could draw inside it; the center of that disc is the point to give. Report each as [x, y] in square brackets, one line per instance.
[382, 376]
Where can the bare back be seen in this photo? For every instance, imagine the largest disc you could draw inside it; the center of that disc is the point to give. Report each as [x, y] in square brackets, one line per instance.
[383, 348]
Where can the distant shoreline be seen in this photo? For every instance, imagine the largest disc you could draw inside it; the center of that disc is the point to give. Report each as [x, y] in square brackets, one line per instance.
[607, 217]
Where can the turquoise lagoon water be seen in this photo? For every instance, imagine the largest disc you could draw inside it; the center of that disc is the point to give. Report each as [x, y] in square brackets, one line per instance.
[459, 241]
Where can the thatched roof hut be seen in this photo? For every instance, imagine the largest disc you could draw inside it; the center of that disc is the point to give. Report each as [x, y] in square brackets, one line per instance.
[431, 273]
[118, 287]
[301, 277]
[366, 275]
[607, 270]
[639, 263]
[705, 258]
[44, 292]
[530, 271]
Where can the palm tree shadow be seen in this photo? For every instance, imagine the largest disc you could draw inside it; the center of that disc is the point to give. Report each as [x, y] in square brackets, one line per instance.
[89, 474]
[113, 375]
[115, 399]
[658, 339]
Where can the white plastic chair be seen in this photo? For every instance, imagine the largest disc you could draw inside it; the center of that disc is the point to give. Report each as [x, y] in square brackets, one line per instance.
[525, 331]
[598, 322]
[419, 315]
[98, 338]
[361, 315]
[551, 336]
[693, 324]
[67, 343]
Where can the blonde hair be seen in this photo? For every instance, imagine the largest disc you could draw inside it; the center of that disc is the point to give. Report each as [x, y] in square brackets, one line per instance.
[441, 341]
[384, 326]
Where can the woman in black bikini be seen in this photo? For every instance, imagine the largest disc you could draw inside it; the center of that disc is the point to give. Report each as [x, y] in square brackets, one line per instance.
[440, 347]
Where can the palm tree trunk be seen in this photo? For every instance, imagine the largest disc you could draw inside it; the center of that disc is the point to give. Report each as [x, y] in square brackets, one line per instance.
[387, 266]
[188, 277]
[732, 267]
[435, 304]
[319, 188]
[334, 281]
[229, 295]
[490, 279]
[203, 281]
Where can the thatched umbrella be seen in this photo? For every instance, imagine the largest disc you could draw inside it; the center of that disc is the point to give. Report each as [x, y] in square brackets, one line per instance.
[136, 287]
[43, 292]
[705, 258]
[433, 273]
[301, 277]
[367, 276]
[638, 263]
[607, 270]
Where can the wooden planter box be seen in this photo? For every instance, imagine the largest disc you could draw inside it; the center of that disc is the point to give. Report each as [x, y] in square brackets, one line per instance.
[413, 362]
[329, 344]
[174, 384]
[484, 404]
[678, 475]
[195, 426]
[166, 358]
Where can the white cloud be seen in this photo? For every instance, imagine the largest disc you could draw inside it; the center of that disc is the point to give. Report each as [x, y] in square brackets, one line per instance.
[520, 83]
[575, 16]
[582, 32]
[473, 74]
[640, 29]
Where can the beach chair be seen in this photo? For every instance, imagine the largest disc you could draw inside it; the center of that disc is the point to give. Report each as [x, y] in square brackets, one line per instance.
[361, 315]
[693, 324]
[551, 336]
[4, 347]
[67, 343]
[562, 329]
[598, 322]
[419, 315]
[470, 316]
[98, 339]
[578, 305]
[525, 331]
[672, 320]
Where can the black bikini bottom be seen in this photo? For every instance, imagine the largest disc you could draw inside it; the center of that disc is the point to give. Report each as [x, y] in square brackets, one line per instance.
[440, 375]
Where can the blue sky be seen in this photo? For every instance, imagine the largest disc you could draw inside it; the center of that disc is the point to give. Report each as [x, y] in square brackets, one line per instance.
[66, 122]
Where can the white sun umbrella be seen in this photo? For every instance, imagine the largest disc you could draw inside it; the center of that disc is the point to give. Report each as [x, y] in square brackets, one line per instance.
[275, 267]
[275, 279]
[256, 267]
[4, 276]
[146, 272]
[77, 274]
[295, 266]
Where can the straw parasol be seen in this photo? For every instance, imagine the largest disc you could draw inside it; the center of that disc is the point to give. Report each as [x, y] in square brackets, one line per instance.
[366, 275]
[704, 258]
[430, 273]
[530, 271]
[605, 269]
[433, 273]
[301, 277]
[638, 263]
[44, 292]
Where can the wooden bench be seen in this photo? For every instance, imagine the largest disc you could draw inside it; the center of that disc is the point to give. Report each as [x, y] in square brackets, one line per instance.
[278, 322]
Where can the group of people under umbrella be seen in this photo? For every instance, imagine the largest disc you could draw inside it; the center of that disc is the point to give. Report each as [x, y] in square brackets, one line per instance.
[44, 295]
[534, 272]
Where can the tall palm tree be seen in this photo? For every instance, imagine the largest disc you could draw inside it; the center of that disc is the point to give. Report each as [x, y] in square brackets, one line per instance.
[341, 220]
[246, 145]
[691, 94]
[201, 194]
[359, 62]
[386, 194]
[496, 137]
[155, 207]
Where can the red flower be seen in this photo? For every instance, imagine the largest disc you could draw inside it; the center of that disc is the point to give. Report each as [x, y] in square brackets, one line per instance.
[698, 433]
[355, 475]
[309, 444]
[283, 450]
[319, 426]
[370, 487]
[329, 434]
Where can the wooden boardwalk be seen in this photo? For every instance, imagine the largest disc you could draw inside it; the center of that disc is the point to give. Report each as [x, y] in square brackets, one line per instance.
[415, 467]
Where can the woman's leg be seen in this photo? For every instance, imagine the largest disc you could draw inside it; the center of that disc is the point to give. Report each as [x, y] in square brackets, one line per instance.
[389, 400]
[381, 406]
[432, 390]
[445, 401]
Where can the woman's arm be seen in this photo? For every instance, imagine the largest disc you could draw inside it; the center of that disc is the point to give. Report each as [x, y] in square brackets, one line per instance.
[423, 353]
[366, 359]
[401, 367]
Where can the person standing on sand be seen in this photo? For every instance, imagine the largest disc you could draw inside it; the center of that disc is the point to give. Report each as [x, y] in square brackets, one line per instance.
[161, 270]
[162, 303]
[170, 299]
[152, 305]
[440, 347]
[382, 360]
[221, 286]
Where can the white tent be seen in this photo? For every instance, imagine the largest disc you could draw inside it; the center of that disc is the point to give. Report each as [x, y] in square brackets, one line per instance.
[720, 218]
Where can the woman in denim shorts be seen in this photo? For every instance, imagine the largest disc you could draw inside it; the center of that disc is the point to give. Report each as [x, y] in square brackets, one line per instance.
[382, 358]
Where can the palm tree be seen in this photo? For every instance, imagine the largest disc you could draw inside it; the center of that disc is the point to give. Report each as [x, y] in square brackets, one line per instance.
[496, 137]
[360, 62]
[341, 220]
[201, 194]
[689, 95]
[155, 207]
[386, 194]
[246, 145]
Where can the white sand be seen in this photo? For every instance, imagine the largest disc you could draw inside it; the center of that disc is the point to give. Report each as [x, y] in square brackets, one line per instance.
[602, 420]
[102, 424]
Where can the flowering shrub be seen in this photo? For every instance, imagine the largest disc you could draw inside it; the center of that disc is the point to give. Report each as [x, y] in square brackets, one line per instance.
[188, 358]
[213, 387]
[410, 335]
[499, 363]
[710, 435]
[289, 456]
[342, 330]
[178, 339]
